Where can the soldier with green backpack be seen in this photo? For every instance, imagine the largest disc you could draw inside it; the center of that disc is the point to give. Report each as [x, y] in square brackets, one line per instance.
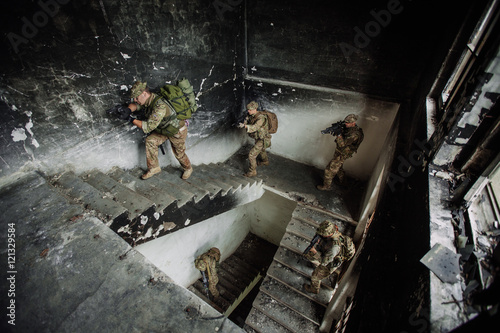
[166, 115]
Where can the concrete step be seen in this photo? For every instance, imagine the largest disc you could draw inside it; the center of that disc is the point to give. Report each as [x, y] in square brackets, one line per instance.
[213, 188]
[233, 274]
[44, 202]
[221, 174]
[138, 206]
[176, 188]
[296, 281]
[258, 322]
[315, 216]
[295, 301]
[239, 174]
[193, 183]
[208, 175]
[226, 171]
[294, 243]
[221, 303]
[108, 210]
[283, 314]
[172, 176]
[302, 228]
[151, 190]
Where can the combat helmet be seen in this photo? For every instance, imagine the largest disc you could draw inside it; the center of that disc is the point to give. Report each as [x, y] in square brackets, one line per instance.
[214, 253]
[327, 229]
[137, 89]
[352, 118]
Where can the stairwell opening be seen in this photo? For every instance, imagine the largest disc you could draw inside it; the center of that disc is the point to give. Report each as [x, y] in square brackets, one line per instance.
[247, 236]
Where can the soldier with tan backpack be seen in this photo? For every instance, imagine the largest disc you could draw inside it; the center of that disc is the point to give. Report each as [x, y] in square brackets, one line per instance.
[259, 126]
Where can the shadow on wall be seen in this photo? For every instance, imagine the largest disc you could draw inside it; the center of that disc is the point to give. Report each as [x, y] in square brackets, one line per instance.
[303, 113]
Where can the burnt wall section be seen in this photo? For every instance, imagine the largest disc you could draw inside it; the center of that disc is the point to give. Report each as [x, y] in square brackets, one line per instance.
[66, 62]
[374, 47]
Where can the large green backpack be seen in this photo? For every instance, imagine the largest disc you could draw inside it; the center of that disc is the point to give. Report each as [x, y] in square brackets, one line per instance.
[181, 98]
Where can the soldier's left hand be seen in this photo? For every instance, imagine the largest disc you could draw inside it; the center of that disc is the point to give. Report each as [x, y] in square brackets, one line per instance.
[241, 125]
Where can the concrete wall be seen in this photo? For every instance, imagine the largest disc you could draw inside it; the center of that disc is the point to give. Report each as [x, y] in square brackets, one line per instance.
[270, 216]
[66, 62]
[303, 111]
[175, 253]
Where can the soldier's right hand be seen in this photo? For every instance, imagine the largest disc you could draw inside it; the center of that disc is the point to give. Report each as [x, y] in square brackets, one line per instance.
[241, 125]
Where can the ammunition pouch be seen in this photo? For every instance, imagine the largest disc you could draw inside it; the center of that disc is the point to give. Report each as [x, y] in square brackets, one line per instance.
[170, 130]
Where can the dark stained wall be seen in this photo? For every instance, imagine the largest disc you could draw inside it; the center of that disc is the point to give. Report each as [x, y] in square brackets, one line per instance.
[375, 47]
[65, 62]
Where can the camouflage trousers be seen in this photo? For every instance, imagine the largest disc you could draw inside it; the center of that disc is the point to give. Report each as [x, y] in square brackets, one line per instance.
[212, 285]
[335, 168]
[178, 144]
[320, 272]
[259, 149]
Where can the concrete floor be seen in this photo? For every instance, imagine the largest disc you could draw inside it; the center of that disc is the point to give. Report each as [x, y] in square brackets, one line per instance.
[298, 182]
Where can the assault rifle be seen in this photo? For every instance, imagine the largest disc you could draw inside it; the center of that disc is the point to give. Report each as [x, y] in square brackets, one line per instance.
[336, 128]
[205, 283]
[314, 241]
[123, 112]
[240, 120]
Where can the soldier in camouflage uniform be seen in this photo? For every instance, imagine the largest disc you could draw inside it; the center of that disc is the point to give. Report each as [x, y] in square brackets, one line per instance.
[347, 144]
[162, 124]
[208, 262]
[257, 128]
[328, 254]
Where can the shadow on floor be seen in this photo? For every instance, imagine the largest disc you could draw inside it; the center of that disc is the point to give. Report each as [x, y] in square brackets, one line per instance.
[299, 181]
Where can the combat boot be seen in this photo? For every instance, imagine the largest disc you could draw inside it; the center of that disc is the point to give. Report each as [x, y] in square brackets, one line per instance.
[324, 187]
[250, 173]
[310, 289]
[151, 173]
[187, 173]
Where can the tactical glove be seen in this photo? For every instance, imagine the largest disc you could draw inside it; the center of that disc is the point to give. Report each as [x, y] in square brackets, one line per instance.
[337, 262]
[124, 112]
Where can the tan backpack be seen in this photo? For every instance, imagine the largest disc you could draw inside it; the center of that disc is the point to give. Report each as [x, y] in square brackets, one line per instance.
[272, 121]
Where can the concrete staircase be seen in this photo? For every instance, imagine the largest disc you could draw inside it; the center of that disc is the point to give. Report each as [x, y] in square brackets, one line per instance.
[282, 304]
[141, 210]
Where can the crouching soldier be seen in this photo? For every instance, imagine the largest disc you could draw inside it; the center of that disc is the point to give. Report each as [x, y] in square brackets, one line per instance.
[330, 250]
[208, 263]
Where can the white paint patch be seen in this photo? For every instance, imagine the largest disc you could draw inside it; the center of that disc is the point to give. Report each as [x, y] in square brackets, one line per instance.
[19, 134]
[123, 87]
[144, 219]
[35, 143]
[188, 221]
[125, 56]
[157, 216]
[254, 69]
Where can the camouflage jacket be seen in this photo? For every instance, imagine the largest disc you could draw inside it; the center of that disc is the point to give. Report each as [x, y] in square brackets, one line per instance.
[257, 126]
[328, 248]
[349, 141]
[207, 263]
[159, 116]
